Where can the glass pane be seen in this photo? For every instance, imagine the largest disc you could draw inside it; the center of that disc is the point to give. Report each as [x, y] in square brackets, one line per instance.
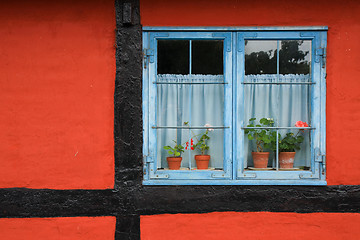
[302, 150]
[259, 154]
[301, 160]
[261, 100]
[207, 104]
[172, 137]
[286, 104]
[260, 57]
[295, 56]
[207, 57]
[166, 137]
[172, 102]
[294, 102]
[215, 144]
[173, 57]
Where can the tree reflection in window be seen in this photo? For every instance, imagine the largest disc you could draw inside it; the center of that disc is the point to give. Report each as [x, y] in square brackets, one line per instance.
[294, 57]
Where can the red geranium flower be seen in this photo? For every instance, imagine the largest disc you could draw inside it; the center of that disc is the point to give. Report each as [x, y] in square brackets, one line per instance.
[191, 145]
[300, 124]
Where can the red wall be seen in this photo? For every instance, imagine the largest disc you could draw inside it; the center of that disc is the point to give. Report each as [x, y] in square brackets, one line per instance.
[343, 71]
[57, 74]
[265, 225]
[57, 70]
[74, 228]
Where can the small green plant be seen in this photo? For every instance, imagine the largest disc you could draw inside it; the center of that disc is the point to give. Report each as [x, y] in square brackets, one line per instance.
[202, 142]
[176, 150]
[292, 142]
[264, 138]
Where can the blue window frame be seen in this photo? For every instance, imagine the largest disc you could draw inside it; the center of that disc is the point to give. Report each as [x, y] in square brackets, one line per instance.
[196, 80]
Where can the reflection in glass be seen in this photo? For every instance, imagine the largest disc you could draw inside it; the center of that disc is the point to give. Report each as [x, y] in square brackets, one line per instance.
[295, 56]
[207, 57]
[260, 57]
[173, 57]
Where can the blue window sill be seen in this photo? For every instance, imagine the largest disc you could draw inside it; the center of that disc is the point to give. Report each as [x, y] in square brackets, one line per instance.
[236, 182]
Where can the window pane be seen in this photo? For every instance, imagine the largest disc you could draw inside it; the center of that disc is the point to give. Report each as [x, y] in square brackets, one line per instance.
[207, 105]
[260, 57]
[294, 102]
[207, 109]
[173, 57]
[286, 104]
[215, 144]
[172, 101]
[295, 56]
[207, 57]
[166, 137]
[303, 155]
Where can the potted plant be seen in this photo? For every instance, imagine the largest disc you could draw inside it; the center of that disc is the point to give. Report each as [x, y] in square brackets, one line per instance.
[202, 160]
[288, 146]
[174, 161]
[264, 139]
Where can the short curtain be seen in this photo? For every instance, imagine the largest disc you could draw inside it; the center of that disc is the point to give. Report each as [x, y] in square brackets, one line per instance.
[201, 104]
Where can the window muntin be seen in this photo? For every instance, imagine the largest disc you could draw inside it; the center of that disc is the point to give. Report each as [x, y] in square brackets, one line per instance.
[235, 163]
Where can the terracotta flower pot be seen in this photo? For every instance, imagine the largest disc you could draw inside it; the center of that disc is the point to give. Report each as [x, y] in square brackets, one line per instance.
[202, 161]
[260, 159]
[174, 162]
[286, 159]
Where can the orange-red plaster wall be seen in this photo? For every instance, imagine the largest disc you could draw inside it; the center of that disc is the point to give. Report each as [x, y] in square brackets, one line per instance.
[255, 226]
[74, 228]
[57, 74]
[343, 70]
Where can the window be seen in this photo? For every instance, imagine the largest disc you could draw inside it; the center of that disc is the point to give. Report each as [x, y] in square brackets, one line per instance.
[215, 91]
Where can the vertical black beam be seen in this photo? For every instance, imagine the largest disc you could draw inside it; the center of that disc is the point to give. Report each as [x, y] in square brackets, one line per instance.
[127, 96]
[128, 111]
[127, 227]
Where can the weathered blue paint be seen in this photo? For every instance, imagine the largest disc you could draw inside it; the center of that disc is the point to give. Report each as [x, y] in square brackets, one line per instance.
[145, 112]
[210, 28]
[306, 182]
[235, 171]
[234, 107]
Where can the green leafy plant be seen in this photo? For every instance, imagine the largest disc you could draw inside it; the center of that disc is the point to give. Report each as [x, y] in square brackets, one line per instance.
[201, 144]
[291, 142]
[176, 150]
[264, 138]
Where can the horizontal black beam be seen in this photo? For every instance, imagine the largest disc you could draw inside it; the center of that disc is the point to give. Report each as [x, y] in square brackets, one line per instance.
[144, 200]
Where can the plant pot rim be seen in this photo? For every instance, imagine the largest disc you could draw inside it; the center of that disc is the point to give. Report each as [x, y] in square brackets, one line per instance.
[173, 157]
